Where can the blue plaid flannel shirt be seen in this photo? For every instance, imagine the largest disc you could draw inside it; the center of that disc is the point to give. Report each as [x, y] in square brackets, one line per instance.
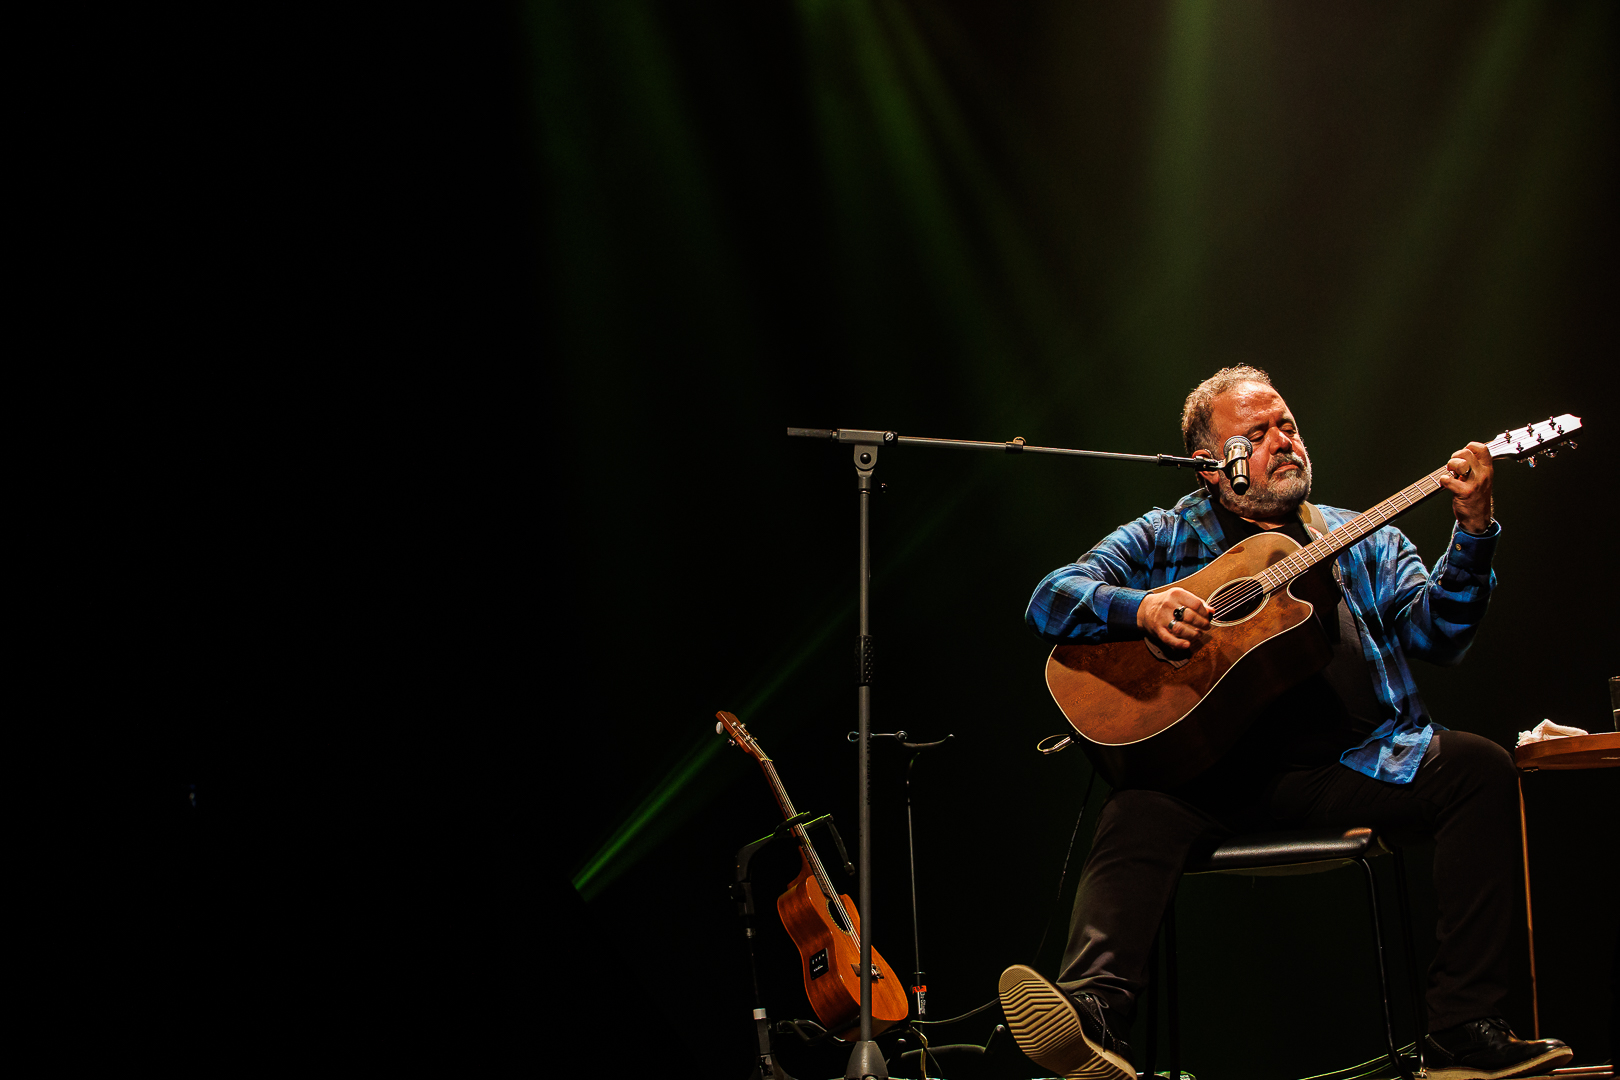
[1401, 609]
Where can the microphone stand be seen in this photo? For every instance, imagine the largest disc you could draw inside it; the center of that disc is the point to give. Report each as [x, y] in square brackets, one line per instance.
[865, 1060]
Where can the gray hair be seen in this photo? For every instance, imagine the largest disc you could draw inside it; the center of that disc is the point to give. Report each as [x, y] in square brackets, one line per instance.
[1197, 429]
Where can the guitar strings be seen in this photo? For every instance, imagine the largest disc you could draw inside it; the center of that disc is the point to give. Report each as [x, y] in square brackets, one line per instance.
[823, 881]
[1317, 551]
[1358, 528]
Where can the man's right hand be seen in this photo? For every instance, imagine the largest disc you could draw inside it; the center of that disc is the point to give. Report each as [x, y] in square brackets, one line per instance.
[1156, 616]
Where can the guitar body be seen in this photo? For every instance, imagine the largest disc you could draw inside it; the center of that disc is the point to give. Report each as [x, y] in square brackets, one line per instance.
[1152, 719]
[832, 962]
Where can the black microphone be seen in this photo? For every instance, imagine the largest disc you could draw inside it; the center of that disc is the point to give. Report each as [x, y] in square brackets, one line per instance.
[1236, 466]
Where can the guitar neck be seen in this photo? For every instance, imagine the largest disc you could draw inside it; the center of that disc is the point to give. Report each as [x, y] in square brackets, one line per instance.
[782, 800]
[803, 836]
[1355, 530]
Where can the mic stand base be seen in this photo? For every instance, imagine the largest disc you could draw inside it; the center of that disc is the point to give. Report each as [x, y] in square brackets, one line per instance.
[866, 1063]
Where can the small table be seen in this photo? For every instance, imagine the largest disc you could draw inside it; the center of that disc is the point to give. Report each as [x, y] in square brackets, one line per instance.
[1600, 751]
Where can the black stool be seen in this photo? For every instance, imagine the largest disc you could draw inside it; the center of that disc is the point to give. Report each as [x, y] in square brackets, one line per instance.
[1281, 854]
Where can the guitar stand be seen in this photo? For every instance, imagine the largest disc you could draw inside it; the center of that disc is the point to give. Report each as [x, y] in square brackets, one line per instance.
[766, 1067]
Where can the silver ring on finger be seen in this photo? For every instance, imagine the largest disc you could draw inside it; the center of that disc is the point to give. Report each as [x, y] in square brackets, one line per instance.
[1175, 616]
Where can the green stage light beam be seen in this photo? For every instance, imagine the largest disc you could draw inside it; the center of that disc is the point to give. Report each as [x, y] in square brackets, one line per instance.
[1164, 315]
[1407, 263]
[653, 818]
[1515, 299]
[650, 821]
[899, 154]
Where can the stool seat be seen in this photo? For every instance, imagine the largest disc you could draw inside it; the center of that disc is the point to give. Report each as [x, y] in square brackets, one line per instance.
[1307, 851]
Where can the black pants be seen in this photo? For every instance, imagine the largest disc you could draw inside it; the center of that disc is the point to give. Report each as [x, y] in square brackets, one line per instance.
[1464, 798]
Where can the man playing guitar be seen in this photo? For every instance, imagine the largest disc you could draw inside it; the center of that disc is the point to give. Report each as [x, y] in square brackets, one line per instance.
[1351, 745]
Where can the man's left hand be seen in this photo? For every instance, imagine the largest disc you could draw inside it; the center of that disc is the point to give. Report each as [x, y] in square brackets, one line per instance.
[1470, 487]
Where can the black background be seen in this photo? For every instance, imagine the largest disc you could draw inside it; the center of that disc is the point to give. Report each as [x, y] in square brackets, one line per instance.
[444, 495]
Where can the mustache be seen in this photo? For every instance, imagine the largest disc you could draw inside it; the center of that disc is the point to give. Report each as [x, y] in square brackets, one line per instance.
[1279, 460]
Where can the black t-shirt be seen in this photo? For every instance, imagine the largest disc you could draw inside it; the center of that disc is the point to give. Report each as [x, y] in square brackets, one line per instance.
[1312, 723]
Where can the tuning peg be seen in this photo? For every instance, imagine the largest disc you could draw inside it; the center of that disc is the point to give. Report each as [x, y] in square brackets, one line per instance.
[1531, 461]
[1573, 445]
[1550, 453]
[719, 728]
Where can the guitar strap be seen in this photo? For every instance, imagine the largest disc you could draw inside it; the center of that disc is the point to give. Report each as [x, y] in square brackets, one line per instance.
[1317, 526]
[1313, 518]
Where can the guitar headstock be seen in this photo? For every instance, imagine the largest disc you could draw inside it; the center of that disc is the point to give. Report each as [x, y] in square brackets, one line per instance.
[1527, 443]
[730, 726]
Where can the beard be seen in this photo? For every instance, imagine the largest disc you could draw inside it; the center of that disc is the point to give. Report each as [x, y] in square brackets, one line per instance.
[1271, 496]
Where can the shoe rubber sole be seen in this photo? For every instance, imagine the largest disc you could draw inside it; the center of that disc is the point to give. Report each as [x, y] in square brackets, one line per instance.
[1045, 1024]
[1540, 1065]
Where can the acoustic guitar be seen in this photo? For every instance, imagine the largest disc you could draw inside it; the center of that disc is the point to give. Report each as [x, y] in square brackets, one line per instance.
[1150, 718]
[825, 926]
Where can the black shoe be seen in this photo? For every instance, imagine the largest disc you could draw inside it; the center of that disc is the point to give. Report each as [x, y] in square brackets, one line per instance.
[1068, 1035]
[1487, 1050]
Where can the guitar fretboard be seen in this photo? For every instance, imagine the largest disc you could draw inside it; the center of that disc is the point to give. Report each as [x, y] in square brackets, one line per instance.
[809, 850]
[1522, 444]
[1358, 528]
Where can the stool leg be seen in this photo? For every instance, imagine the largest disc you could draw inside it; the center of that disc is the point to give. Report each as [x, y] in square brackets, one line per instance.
[1153, 1007]
[1172, 988]
[1420, 1019]
[1395, 1058]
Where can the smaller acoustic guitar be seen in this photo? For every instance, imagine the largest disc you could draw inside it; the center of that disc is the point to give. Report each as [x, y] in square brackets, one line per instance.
[825, 926]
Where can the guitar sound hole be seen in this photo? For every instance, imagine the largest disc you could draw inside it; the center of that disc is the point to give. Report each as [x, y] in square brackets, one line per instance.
[1245, 597]
[837, 917]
